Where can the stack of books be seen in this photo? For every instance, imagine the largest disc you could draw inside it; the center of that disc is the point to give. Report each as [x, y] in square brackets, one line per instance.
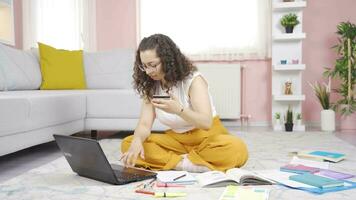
[320, 180]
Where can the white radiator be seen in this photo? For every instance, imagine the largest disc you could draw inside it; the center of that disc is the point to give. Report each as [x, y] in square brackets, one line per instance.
[225, 86]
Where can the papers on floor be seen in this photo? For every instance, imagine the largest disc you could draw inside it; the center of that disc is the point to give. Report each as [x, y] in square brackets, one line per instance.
[181, 177]
[235, 192]
[282, 178]
[311, 163]
[311, 175]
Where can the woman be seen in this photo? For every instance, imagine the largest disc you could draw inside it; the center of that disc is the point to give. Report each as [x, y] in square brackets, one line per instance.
[197, 140]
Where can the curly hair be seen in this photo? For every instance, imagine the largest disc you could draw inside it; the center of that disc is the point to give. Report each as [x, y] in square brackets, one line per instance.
[175, 65]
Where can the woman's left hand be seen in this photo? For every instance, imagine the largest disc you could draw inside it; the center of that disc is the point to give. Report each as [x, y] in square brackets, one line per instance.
[171, 105]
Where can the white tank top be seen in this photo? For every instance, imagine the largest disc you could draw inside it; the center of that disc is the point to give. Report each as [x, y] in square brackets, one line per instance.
[175, 122]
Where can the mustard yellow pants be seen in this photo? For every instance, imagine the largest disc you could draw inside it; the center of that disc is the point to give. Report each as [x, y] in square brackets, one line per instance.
[215, 148]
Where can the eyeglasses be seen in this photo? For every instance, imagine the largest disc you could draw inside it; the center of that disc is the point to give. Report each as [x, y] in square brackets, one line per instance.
[145, 68]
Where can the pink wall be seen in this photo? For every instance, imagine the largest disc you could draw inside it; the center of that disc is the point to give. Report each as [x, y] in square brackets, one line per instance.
[116, 24]
[320, 20]
[257, 89]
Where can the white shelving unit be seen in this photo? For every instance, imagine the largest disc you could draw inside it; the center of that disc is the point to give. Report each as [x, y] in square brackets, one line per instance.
[278, 5]
[287, 46]
[288, 36]
[289, 97]
[288, 67]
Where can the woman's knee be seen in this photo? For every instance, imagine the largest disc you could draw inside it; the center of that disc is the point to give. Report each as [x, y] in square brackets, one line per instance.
[234, 147]
[240, 149]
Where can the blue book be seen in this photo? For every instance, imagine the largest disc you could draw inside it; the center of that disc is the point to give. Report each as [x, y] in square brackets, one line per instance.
[317, 181]
[327, 154]
[321, 155]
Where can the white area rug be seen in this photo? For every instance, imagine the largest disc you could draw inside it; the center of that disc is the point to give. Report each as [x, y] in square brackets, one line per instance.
[267, 150]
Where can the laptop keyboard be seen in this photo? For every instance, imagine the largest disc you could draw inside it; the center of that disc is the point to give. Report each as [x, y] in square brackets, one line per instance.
[127, 176]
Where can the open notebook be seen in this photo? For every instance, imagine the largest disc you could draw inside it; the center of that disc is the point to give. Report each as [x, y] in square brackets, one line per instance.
[234, 176]
[181, 177]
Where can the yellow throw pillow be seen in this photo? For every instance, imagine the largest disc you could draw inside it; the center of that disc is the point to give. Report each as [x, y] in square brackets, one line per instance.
[61, 69]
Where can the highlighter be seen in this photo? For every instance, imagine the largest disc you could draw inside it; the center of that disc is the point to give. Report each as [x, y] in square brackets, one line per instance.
[170, 194]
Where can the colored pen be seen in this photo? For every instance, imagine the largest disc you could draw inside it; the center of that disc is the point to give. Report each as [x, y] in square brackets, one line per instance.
[149, 183]
[168, 185]
[170, 194]
[179, 177]
[144, 192]
[139, 185]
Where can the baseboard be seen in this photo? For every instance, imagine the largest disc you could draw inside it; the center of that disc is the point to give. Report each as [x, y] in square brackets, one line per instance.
[237, 123]
[316, 124]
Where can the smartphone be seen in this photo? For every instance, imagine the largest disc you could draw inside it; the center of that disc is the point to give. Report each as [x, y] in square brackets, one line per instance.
[161, 96]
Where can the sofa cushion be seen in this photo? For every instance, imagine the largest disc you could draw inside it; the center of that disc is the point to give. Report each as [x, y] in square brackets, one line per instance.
[124, 103]
[61, 69]
[21, 70]
[30, 110]
[109, 69]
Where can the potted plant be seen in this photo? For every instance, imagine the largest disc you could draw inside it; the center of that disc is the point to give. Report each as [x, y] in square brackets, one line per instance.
[345, 71]
[277, 117]
[277, 122]
[327, 115]
[289, 120]
[289, 21]
[298, 119]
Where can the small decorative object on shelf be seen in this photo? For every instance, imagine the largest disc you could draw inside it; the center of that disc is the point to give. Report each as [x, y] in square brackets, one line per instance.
[277, 122]
[299, 119]
[289, 120]
[289, 21]
[299, 126]
[277, 117]
[288, 0]
[283, 62]
[295, 61]
[288, 88]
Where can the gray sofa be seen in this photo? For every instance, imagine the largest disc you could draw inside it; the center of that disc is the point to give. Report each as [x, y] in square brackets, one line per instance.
[29, 116]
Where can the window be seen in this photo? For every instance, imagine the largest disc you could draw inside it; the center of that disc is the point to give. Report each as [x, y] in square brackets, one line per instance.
[210, 29]
[7, 22]
[59, 23]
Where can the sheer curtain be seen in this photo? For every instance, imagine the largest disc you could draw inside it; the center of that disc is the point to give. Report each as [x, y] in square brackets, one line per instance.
[211, 29]
[66, 24]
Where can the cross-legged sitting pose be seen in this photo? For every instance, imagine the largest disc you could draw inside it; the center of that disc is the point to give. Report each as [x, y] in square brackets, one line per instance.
[197, 141]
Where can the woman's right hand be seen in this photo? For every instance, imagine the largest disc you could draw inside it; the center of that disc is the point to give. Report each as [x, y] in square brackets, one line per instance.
[130, 156]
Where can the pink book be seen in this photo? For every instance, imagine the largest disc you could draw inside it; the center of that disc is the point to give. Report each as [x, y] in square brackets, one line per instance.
[299, 169]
